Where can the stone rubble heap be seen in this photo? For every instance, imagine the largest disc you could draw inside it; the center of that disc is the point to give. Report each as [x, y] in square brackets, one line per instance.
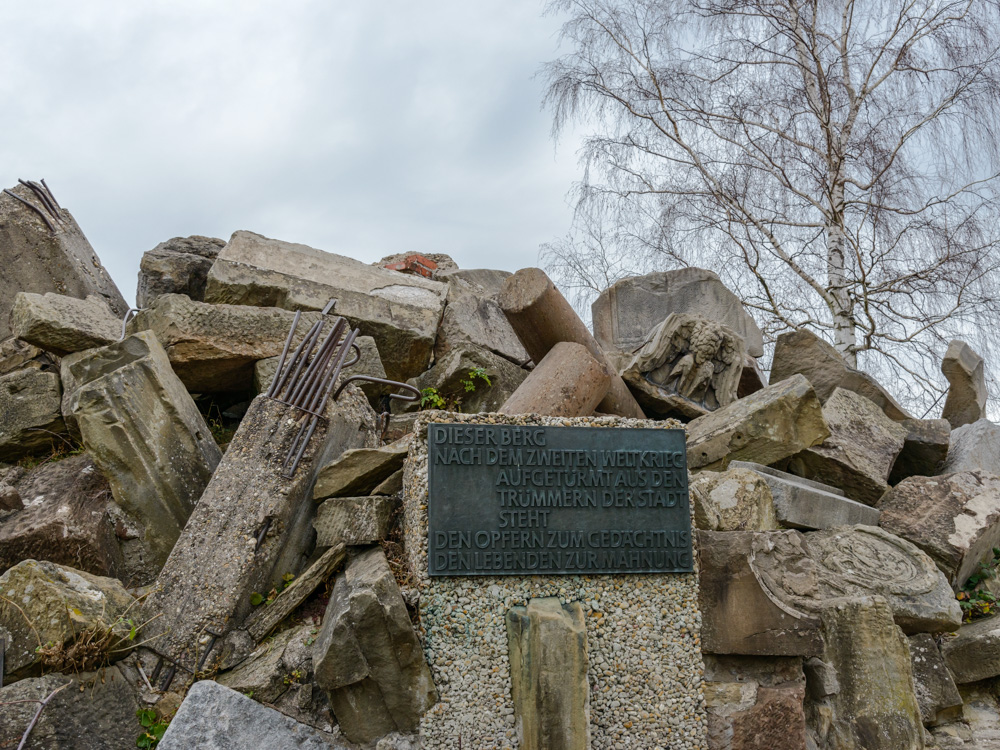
[164, 574]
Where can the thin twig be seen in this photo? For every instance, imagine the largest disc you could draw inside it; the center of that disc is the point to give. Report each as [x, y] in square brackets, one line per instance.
[41, 707]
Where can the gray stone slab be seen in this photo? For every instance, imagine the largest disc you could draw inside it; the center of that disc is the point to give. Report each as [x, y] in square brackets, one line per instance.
[214, 717]
[804, 504]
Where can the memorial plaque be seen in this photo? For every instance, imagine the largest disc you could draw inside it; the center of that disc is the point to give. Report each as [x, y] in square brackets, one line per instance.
[533, 500]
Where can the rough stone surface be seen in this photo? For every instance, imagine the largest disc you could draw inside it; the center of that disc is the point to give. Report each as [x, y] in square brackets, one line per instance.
[486, 282]
[267, 673]
[765, 427]
[547, 641]
[645, 688]
[215, 717]
[471, 317]
[34, 259]
[979, 725]
[359, 470]
[806, 353]
[734, 500]
[804, 571]
[954, 518]
[628, 310]
[217, 563]
[447, 374]
[568, 382]
[354, 520]
[177, 266]
[974, 447]
[755, 703]
[213, 348]
[875, 708]
[17, 355]
[974, 653]
[860, 451]
[43, 603]
[966, 373]
[400, 311]
[925, 449]
[802, 504]
[367, 656]
[65, 520]
[61, 324]
[738, 615]
[146, 435]
[94, 711]
[936, 692]
[31, 405]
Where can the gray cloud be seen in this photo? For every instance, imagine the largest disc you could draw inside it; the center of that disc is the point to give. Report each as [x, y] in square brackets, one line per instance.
[363, 129]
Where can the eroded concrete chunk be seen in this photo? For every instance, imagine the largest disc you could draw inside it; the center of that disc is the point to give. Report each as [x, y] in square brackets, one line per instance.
[473, 318]
[31, 405]
[400, 311]
[547, 646]
[177, 266]
[144, 432]
[966, 373]
[954, 518]
[357, 471]
[860, 451]
[470, 379]
[46, 605]
[367, 656]
[765, 427]
[61, 324]
[354, 520]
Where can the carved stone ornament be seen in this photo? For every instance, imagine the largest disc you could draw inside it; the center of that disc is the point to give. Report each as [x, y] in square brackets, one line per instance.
[688, 366]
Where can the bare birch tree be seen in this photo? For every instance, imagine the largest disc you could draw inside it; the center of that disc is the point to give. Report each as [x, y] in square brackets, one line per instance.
[834, 161]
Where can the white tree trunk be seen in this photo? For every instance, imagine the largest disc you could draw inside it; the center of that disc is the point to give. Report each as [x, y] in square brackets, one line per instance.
[844, 327]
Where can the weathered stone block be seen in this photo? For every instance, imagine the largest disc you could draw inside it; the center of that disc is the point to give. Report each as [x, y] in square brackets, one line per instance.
[354, 520]
[925, 449]
[267, 671]
[215, 717]
[357, 471]
[61, 324]
[974, 447]
[935, 689]
[860, 451]
[400, 311]
[471, 318]
[954, 518]
[547, 643]
[144, 432]
[806, 353]
[734, 500]
[765, 427]
[629, 309]
[42, 603]
[447, 375]
[966, 373]
[177, 266]
[974, 654]
[367, 655]
[30, 401]
[36, 259]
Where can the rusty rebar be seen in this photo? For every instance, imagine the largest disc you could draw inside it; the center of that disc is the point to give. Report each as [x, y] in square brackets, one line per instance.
[51, 194]
[284, 352]
[34, 208]
[43, 196]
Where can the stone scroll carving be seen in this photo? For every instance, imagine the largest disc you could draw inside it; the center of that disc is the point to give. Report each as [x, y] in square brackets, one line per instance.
[688, 366]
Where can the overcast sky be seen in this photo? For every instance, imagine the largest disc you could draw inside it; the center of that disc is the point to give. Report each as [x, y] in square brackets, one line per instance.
[359, 128]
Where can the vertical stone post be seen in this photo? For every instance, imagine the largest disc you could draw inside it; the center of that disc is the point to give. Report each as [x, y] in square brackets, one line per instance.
[547, 642]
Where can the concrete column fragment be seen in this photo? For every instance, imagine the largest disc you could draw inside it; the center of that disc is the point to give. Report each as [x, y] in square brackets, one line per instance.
[547, 643]
[541, 317]
[568, 382]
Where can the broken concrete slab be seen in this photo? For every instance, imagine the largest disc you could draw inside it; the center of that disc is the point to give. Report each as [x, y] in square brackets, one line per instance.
[400, 311]
[804, 571]
[215, 717]
[568, 382]
[354, 520]
[44, 250]
[859, 452]
[44, 605]
[61, 324]
[144, 432]
[765, 427]
[547, 647]
[65, 520]
[966, 374]
[954, 518]
[803, 504]
[925, 449]
[472, 318]
[935, 689]
[357, 471]
[974, 653]
[469, 379]
[629, 309]
[974, 447]
[806, 353]
[31, 404]
[177, 266]
[541, 317]
[367, 656]
[231, 548]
